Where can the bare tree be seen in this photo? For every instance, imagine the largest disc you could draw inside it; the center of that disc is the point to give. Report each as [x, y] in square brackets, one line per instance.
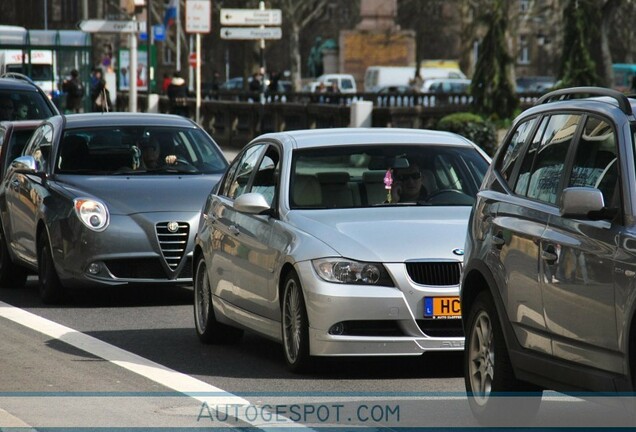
[297, 15]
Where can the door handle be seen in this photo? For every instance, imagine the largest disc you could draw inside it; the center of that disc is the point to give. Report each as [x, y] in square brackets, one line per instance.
[498, 240]
[549, 254]
[234, 230]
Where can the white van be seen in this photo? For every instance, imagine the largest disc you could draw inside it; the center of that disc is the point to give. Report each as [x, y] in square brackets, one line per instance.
[346, 83]
[377, 77]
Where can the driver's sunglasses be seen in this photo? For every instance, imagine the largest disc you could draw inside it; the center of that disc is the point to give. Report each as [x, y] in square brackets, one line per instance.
[412, 176]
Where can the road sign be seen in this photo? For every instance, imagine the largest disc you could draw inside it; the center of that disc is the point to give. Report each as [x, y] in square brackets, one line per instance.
[192, 59]
[108, 26]
[251, 17]
[198, 16]
[251, 33]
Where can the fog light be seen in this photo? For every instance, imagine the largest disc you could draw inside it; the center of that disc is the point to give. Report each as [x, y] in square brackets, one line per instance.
[94, 268]
[337, 329]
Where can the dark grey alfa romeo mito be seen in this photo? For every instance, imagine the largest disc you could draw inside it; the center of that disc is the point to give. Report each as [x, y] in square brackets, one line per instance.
[105, 199]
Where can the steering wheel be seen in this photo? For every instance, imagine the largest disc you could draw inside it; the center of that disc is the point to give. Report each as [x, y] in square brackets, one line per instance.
[184, 165]
[449, 196]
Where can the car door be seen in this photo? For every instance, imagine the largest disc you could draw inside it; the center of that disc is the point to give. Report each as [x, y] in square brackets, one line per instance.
[24, 194]
[577, 260]
[521, 221]
[263, 239]
[226, 249]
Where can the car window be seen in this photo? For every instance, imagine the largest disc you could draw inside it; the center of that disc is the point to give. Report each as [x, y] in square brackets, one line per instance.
[40, 146]
[357, 176]
[243, 171]
[128, 150]
[267, 175]
[595, 162]
[506, 162]
[31, 103]
[544, 177]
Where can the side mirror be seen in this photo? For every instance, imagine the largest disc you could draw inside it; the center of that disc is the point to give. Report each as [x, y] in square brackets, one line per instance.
[25, 165]
[252, 203]
[583, 203]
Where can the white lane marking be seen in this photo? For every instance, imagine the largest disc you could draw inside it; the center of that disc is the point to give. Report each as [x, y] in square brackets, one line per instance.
[148, 369]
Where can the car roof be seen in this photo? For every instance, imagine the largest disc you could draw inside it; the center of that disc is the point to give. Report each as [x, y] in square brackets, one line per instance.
[338, 136]
[16, 84]
[125, 119]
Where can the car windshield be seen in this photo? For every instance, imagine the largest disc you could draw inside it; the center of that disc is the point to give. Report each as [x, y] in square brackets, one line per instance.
[138, 150]
[385, 175]
[23, 105]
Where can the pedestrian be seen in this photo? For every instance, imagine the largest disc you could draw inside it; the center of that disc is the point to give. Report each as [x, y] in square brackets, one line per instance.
[256, 83]
[178, 96]
[274, 77]
[100, 96]
[74, 90]
[632, 88]
[166, 82]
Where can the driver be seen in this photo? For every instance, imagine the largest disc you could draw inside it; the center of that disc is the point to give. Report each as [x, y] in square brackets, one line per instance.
[407, 185]
[151, 155]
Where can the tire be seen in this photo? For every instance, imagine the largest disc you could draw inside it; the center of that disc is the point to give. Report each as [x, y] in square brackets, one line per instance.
[208, 329]
[50, 286]
[11, 275]
[494, 394]
[295, 326]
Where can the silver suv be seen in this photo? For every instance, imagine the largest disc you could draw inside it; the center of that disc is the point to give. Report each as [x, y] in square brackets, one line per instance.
[548, 291]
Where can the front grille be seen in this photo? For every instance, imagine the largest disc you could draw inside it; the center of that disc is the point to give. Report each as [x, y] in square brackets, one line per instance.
[440, 273]
[442, 327]
[173, 244]
[144, 268]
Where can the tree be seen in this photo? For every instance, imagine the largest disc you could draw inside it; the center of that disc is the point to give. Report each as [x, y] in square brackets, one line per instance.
[578, 67]
[297, 15]
[492, 89]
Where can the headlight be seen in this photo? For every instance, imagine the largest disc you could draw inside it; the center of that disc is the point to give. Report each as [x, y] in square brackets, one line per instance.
[344, 271]
[93, 214]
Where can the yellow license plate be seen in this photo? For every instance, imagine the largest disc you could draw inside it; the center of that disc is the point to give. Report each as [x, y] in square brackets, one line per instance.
[442, 307]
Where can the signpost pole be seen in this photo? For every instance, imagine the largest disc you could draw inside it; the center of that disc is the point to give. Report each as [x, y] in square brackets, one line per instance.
[261, 6]
[198, 42]
[132, 73]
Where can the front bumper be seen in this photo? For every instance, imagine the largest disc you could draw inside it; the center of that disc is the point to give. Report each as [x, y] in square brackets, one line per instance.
[393, 316]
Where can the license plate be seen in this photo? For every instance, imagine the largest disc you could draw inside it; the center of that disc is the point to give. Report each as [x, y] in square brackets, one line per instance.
[442, 307]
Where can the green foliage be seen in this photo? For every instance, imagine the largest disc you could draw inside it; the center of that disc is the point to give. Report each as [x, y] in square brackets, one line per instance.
[581, 19]
[492, 90]
[472, 126]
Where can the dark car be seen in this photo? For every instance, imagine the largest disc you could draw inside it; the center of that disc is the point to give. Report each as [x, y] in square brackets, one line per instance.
[105, 200]
[548, 296]
[19, 94]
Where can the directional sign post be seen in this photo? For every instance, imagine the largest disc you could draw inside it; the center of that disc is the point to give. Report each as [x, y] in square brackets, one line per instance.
[251, 17]
[251, 33]
[108, 26]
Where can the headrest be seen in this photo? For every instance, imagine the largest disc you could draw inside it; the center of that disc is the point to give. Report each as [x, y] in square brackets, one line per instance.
[333, 177]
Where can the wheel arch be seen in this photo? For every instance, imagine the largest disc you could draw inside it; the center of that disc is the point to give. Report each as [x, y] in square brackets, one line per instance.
[284, 272]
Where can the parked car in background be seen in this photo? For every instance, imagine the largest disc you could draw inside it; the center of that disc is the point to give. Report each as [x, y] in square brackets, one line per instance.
[303, 243]
[534, 84]
[346, 83]
[548, 295]
[105, 199]
[446, 85]
[19, 91]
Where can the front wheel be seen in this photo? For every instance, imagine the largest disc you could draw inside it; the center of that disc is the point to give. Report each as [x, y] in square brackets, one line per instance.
[50, 286]
[209, 330]
[295, 326]
[488, 373]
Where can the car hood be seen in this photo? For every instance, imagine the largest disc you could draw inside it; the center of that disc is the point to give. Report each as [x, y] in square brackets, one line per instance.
[142, 194]
[388, 234]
